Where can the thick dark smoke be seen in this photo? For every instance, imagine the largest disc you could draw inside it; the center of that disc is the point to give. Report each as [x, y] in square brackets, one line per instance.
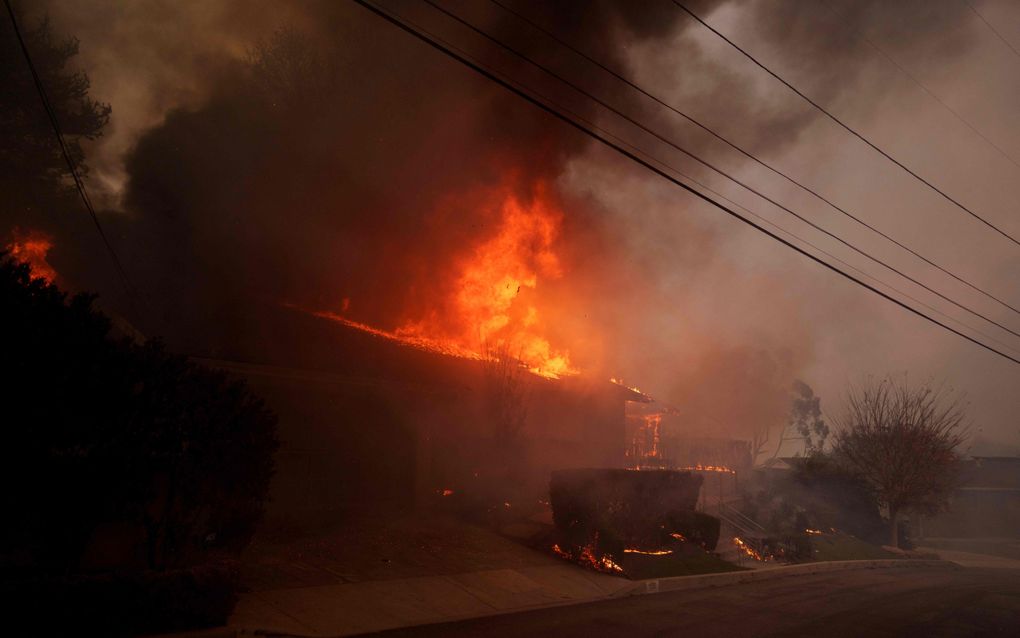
[308, 153]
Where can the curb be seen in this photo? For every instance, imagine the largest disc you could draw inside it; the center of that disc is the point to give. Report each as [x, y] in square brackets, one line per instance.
[678, 583]
[637, 588]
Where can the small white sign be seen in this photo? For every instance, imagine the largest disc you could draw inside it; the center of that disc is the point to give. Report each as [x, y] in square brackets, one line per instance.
[651, 586]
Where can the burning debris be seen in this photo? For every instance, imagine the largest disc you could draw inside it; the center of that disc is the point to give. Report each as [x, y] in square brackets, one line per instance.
[707, 468]
[588, 556]
[748, 550]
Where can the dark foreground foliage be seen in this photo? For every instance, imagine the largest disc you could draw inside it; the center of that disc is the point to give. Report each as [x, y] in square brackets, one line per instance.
[123, 604]
[117, 457]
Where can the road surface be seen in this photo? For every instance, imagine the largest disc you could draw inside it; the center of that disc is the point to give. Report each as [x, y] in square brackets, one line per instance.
[922, 602]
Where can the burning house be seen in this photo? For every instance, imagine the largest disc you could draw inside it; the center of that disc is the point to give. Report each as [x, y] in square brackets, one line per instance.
[367, 421]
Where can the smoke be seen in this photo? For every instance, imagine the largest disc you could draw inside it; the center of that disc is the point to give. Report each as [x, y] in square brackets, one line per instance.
[308, 153]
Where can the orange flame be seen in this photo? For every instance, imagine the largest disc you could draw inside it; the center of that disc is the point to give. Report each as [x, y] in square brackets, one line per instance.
[588, 558]
[488, 303]
[31, 247]
[707, 468]
[648, 552]
[747, 549]
[493, 301]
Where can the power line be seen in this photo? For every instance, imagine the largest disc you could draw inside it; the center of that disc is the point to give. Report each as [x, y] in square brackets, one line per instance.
[710, 165]
[673, 169]
[434, 43]
[78, 181]
[992, 29]
[749, 155]
[930, 93]
[847, 128]
[779, 228]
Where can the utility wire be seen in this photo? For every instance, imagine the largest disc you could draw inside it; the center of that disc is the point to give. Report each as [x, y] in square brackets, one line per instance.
[848, 129]
[447, 50]
[924, 88]
[76, 176]
[705, 187]
[674, 145]
[749, 155]
[992, 29]
[648, 157]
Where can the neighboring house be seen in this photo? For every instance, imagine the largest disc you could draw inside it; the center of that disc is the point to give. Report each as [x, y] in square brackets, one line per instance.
[987, 503]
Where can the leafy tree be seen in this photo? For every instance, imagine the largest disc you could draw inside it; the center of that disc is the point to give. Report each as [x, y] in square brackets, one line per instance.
[99, 429]
[805, 421]
[33, 172]
[806, 417]
[902, 441]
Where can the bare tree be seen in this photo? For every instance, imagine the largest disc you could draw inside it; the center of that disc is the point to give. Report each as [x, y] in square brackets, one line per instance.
[903, 442]
[505, 392]
[759, 442]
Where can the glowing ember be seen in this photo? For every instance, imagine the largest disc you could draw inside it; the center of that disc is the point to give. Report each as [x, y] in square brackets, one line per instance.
[813, 532]
[446, 492]
[747, 549]
[587, 558]
[678, 536]
[650, 552]
[620, 383]
[31, 247]
[493, 301]
[707, 468]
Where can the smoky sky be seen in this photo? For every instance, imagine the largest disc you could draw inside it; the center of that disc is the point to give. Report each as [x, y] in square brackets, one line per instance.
[352, 162]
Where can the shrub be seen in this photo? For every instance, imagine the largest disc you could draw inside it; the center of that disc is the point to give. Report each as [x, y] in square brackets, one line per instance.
[608, 510]
[116, 604]
[105, 434]
[696, 527]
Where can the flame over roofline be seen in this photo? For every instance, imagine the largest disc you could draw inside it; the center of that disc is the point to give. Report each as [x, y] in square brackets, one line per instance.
[424, 343]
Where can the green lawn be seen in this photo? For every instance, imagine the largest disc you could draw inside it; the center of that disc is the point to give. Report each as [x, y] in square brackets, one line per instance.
[840, 547]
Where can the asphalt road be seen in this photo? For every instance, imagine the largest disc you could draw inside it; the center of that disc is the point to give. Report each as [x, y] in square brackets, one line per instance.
[922, 602]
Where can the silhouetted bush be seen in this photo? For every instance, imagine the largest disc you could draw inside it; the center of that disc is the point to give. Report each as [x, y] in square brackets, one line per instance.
[696, 527]
[118, 456]
[121, 604]
[834, 497]
[610, 509]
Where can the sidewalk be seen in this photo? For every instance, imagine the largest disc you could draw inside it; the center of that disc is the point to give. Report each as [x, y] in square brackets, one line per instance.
[348, 609]
[971, 559]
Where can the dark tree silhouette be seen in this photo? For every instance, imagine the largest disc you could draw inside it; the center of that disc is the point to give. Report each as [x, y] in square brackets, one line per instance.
[99, 429]
[902, 441]
[33, 172]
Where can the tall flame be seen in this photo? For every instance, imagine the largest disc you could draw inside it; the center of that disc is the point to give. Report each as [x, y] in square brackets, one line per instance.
[488, 302]
[492, 302]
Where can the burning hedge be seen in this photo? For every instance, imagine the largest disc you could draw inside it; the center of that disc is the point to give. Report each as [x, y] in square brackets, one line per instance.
[600, 514]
